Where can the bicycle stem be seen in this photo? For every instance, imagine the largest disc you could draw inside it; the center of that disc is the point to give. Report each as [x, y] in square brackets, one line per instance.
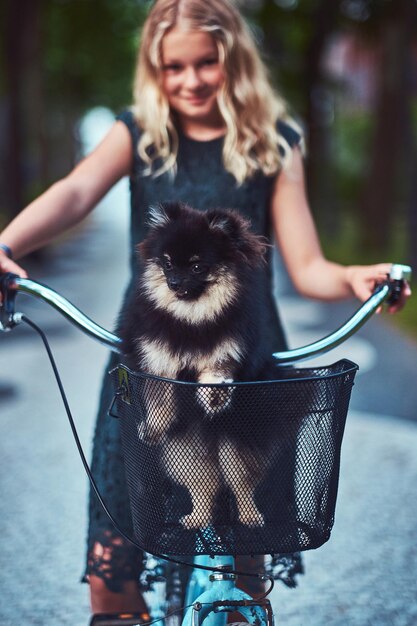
[10, 284]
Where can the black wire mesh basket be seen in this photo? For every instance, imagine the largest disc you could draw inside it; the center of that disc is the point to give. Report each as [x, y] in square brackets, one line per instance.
[242, 468]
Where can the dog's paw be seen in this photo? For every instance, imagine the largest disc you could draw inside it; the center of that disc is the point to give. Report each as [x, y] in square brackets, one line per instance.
[195, 520]
[150, 434]
[252, 518]
[215, 399]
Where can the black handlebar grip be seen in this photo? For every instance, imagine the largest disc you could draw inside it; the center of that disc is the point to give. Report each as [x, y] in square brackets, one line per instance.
[396, 289]
[397, 277]
[7, 304]
[6, 279]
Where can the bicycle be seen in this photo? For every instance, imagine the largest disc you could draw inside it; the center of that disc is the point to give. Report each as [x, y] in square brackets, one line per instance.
[302, 524]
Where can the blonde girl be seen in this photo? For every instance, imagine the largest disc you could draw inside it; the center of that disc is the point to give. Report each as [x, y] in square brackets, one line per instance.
[205, 128]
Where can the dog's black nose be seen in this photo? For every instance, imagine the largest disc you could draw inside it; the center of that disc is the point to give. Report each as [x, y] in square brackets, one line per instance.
[174, 283]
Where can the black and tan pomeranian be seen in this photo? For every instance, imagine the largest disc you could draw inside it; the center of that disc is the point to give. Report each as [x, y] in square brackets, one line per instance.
[196, 315]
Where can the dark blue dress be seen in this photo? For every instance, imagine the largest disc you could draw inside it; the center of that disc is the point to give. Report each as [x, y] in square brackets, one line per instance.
[202, 182]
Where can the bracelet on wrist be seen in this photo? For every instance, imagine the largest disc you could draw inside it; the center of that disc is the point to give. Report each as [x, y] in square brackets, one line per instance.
[7, 251]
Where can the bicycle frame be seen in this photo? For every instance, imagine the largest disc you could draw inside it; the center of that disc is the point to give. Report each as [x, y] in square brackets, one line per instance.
[211, 603]
[208, 602]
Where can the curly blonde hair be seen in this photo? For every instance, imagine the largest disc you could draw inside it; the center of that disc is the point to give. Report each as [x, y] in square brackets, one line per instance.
[246, 100]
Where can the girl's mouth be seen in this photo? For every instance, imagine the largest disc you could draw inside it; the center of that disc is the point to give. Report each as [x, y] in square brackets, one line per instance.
[197, 99]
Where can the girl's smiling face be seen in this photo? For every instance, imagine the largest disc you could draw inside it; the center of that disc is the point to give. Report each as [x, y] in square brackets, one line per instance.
[191, 77]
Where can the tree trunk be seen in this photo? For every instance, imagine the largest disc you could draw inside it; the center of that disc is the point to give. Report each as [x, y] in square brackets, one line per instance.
[378, 199]
[411, 254]
[411, 146]
[23, 103]
[13, 182]
[318, 114]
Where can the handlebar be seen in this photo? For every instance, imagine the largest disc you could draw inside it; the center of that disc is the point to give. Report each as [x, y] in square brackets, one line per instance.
[10, 285]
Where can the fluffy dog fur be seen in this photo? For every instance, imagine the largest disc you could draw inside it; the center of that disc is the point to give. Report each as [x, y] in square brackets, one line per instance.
[196, 316]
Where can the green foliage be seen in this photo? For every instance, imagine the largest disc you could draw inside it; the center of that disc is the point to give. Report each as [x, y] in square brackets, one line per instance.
[345, 249]
[351, 133]
[284, 35]
[89, 51]
[407, 318]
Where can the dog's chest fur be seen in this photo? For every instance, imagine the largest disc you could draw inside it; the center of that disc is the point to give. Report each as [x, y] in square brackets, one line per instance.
[162, 358]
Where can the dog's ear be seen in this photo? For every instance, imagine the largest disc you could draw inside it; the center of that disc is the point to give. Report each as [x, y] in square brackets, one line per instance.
[157, 216]
[251, 248]
[166, 212]
[227, 222]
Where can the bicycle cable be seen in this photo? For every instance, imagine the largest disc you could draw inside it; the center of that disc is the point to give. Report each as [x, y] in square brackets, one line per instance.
[264, 577]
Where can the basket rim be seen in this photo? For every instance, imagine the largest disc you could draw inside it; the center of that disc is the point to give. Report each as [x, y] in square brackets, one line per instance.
[351, 366]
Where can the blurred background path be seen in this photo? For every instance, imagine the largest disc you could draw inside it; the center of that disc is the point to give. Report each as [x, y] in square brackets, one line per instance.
[366, 574]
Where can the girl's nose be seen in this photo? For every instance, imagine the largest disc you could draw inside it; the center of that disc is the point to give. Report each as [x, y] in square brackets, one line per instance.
[192, 78]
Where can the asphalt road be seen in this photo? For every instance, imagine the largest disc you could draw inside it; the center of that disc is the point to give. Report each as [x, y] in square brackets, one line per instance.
[366, 574]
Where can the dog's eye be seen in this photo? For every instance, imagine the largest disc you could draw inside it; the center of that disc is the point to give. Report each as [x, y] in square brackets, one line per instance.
[197, 268]
[167, 265]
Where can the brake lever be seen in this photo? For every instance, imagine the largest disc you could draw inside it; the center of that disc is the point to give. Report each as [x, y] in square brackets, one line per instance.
[8, 319]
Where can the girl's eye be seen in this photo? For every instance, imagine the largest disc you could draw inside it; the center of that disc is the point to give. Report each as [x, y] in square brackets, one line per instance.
[173, 67]
[210, 62]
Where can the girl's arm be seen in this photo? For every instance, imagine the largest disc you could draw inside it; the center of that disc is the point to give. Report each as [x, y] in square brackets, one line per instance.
[69, 200]
[312, 274]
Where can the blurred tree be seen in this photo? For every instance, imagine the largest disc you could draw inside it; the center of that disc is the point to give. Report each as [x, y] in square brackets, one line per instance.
[22, 95]
[391, 29]
[60, 58]
[296, 35]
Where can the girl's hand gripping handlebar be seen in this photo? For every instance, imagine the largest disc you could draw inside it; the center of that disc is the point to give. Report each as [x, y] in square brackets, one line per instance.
[390, 291]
